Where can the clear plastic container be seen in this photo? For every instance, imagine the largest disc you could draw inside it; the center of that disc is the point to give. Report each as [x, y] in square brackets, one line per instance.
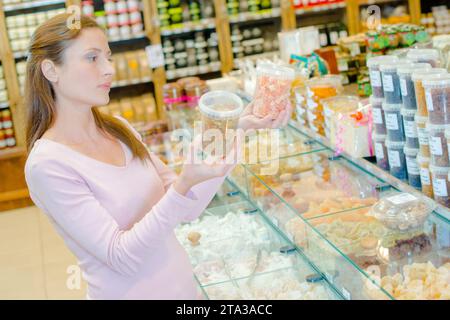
[220, 110]
[437, 96]
[441, 186]
[417, 77]
[299, 97]
[381, 152]
[375, 75]
[407, 85]
[438, 145]
[338, 105]
[273, 86]
[424, 135]
[402, 211]
[412, 167]
[391, 82]
[425, 176]
[394, 123]
[409, 124]
[379, 121]
[430, 56]
[397, 159]
[317, 90]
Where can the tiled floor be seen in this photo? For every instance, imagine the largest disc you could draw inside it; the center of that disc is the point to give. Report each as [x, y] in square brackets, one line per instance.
[34, 261]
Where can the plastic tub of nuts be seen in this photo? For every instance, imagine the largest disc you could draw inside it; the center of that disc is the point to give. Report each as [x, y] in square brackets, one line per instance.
[417, 78]
[425, 176]
[409, 124]
[379, 121]
[391, 82]
[381, 152]
[430, 56]
[394, 123]
[438, 145]
[407, 85]
[440, 184]
[375, 75]
[437, 96]
[397, 160]
[412, 167]
[402, 212]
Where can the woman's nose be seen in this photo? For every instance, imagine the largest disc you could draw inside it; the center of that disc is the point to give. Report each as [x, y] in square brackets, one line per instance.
[109, 69]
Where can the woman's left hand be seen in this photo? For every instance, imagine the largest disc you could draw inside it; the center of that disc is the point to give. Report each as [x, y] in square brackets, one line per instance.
[248, 120]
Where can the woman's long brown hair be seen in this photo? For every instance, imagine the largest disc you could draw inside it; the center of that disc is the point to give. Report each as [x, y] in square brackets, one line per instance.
[49, 41]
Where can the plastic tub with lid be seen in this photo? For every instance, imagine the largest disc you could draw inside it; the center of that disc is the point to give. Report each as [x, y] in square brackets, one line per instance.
[412, 167]
[407, 85]
[394, 123]
[430, 56]
[379, 121]
[441, 187]
[438, 145]
[397, 159]
[419, 90]
[391, 82]
[375, 75]
[409, 124]
[437, 96]
[381, 152]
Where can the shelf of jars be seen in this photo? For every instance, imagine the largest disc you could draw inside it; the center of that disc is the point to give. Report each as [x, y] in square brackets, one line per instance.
[255, 16]
[190, 26]
[320, 8]
[10, 6]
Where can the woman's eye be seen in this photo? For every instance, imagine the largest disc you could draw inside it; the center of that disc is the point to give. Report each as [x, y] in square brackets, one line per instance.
[92, 58]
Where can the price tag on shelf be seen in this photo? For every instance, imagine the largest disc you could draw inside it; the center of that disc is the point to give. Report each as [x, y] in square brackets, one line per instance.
[155, 55]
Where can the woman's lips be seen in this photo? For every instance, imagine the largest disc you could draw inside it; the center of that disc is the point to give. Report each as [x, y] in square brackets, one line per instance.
[106, 86]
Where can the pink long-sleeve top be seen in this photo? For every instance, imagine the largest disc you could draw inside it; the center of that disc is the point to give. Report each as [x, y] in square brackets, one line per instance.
[118, 221]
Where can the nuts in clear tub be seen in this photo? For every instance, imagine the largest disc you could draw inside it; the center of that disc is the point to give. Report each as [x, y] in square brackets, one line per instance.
[425, 175]
[424, 135]
[273, 89]
[375, 75]
[437, 96]
[407, 85]
[397, 159]
[220, 110]
[338, 105]
[409, 124]
[394, 123]
[441, 185]
[438, 145]
[402, 211]
[413, 168]
[318, 89]
[391, 82]
[381, 152]
[430, 56]
[417, 78]
[379, 121]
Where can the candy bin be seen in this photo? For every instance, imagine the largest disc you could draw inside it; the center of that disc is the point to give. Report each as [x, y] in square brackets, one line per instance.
[409, 124]
[397, 160]
[391, 81]
[425, 176]
[407, 85]
[440, 184]
[336, 106]
[379, 120]
[273, 88]
[220, 112]
[423, 135]
[438, 145]
[417, 77]
[381, 151]
[437, 96]
[318, 89]
[430, 56]
[375, 75]
[394, 123]
[412, 167]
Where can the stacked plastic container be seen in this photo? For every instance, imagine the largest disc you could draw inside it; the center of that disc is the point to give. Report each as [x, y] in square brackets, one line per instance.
[376, 101]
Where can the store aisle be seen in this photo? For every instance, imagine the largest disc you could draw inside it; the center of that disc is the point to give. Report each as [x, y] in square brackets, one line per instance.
[34, 260]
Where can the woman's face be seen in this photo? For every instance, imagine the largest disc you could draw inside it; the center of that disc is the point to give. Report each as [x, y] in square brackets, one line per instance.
[86, 74]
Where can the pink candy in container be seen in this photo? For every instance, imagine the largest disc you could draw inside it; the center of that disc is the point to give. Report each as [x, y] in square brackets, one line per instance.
[272, 91]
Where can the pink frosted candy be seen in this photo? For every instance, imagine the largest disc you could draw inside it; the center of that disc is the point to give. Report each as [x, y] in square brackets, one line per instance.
[271, 96]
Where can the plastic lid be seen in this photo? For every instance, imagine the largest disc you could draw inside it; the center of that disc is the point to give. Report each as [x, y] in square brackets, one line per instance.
[420, 119]
[323, 81]
[212, 102]
[439, 170]
[422, 160]
[436, 80]
[376, 61]
[419, 75]
[395, 144]
[423, 54]
[408, 112]
[411, 152]
[406, 70]
[393, 66]
[345, 103]
[379, 137]
[275, 70]
[436, 127]
[391, 107]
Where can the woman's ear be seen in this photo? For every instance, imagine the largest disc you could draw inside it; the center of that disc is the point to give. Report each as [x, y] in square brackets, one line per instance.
[48, 69]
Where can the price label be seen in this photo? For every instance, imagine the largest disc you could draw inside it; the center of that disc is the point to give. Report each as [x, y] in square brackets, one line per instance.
[391, 121]
[423, 136]
[377, 116]
[388, 83]
[425, 176]
[402, 198]
[379, 153]
[410, 129]
[403, 87]
[436, 146]
[440, 187]
[412, 166]
[394, 158]
[375, 78]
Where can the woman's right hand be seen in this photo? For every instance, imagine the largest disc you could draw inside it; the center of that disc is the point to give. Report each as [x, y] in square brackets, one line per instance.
[196, 169]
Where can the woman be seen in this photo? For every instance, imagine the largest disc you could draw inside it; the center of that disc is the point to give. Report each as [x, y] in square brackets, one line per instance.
[115, 204]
